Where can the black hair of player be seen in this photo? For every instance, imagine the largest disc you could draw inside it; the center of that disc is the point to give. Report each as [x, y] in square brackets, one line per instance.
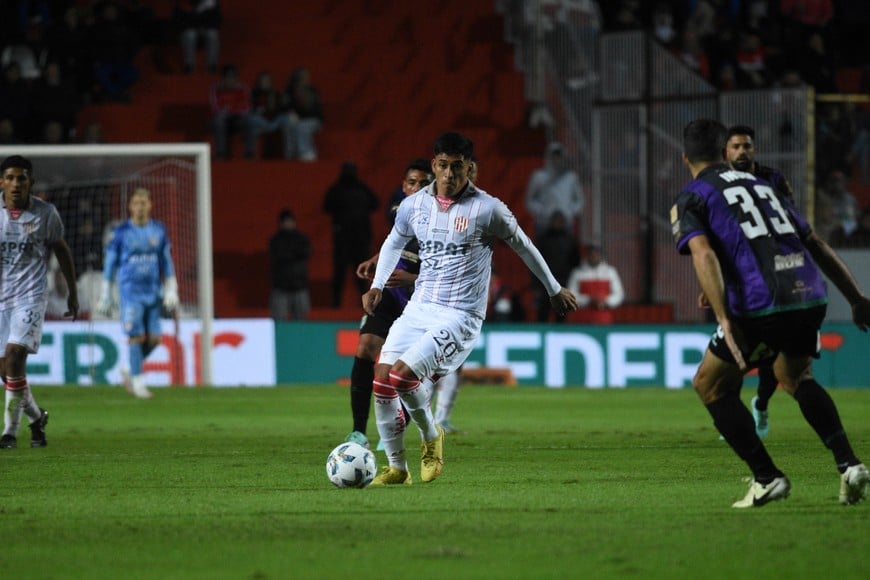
[704, 140]
[420, 164]
[452, 143]
[19, 162]
[741, 130]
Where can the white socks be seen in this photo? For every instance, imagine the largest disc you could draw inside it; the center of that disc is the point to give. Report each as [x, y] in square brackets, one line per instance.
[18, 401]
[391, 427]
[448, 388]
[12, 412]
[417, 400]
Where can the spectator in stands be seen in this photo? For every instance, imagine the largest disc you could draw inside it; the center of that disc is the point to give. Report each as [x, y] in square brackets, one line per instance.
[806, 16]
[31, 53]
[555, 187]
[303, 104]
[623, 15]
[27, 13]
[114, 44]
[93, 133]
[69, 45]
[55, 100]
[817, 67]
[52, 134]
[663, 27]
[56, 305]
[859, 150]
[15, 102]
[230, 101]
[860, 236]
[90, 284]
[560, 249]
[693, 55]
[350, 202]
[726, 78]
[504, 303]
[597, 287]
[834, 130]
[289, 251]
[7, 132]
[844, 206]
[156, 32]
[267, 116]
[199, 20]
[752, 71]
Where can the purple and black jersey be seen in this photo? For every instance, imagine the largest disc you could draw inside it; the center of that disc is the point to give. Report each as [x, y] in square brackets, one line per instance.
[757, 236]
[410, 262]
[775, 178]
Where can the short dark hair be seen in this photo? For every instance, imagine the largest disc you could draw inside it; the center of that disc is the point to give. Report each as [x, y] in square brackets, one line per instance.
[704, 140]
[740, 130]
[284, 215]
[19, 162]
[453, 143]
[420, 164]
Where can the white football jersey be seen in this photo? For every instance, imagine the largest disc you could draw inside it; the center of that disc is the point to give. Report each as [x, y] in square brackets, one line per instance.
[25, 251]
[456, 247]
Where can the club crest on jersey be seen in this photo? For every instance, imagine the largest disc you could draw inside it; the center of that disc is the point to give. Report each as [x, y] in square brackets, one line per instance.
[30, 227]
[461, 224]
[153, 242]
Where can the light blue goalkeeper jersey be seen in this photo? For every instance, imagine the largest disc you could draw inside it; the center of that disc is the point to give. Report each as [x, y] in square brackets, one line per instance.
[140, 254]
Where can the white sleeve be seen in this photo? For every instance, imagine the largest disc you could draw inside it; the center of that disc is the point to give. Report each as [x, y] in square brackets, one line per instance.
[391, 251]
[522, 245]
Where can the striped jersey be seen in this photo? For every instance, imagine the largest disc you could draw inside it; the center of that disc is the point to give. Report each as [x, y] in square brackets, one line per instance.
[140, 254]
[25, 249]
[757, 236]
[455, 247]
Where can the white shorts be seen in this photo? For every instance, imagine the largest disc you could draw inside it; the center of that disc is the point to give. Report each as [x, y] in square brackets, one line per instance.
[22, 325]
[431, 339]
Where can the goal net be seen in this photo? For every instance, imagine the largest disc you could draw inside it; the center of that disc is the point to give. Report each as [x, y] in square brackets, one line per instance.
[90, 185]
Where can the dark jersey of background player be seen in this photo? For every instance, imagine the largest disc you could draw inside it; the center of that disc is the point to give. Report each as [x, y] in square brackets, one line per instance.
[769, 273]
[409, 262]
[740, 153]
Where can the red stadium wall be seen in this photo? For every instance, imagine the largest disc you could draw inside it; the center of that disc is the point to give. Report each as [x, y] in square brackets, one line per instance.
[393, 75]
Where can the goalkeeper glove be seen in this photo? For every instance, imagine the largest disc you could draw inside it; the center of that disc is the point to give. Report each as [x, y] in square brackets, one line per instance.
[104, 304]
[170, 293]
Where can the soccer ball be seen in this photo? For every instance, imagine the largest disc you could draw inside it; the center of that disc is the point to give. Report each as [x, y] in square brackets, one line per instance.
[351, 465]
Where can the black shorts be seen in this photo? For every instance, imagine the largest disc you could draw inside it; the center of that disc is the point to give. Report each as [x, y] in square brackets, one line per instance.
[794, 333]
[386, 312]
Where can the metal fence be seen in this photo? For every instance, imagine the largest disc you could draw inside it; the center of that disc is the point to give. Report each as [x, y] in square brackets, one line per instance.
[620, 102]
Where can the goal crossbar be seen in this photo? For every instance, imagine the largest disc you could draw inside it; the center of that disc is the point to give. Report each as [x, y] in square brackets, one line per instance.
[200, 152]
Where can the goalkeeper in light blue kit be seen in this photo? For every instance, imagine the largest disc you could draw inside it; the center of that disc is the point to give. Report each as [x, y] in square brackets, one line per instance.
[139, 252]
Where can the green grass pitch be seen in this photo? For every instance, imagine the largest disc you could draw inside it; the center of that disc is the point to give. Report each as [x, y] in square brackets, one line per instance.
[230, 483]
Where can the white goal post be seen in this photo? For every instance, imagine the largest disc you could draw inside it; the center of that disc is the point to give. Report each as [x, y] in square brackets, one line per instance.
[90, 185]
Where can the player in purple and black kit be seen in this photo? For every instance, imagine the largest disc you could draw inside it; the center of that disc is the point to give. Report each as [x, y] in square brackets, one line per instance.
[374, 328]
[740, 154]
[760, 266]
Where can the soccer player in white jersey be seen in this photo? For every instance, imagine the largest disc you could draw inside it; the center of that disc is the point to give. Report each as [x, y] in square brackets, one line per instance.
[139, 253]
[30, 229]
[456, 225]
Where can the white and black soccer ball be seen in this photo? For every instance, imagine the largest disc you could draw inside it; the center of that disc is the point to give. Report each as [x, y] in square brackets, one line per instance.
[351, 465]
